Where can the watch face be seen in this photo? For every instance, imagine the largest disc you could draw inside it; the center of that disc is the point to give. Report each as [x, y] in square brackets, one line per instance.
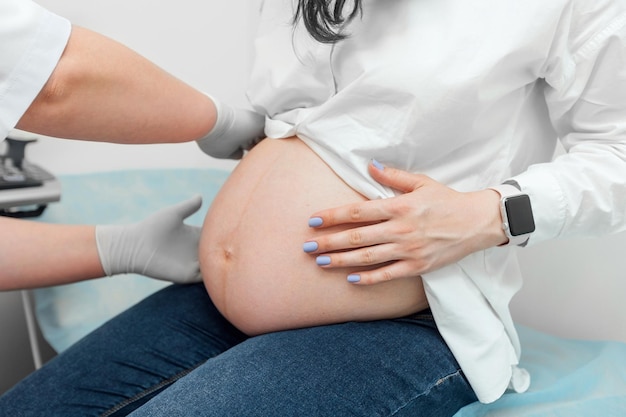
[519, 215]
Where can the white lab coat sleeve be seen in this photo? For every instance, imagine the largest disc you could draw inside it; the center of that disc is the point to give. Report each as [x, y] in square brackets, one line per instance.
[582, 192]
[32, 40]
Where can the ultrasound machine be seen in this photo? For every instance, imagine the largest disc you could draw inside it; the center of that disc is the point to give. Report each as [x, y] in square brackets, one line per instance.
[25, 188]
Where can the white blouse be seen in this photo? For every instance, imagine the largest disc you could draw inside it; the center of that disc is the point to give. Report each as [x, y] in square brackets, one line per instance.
[470, 93]
[32, 40]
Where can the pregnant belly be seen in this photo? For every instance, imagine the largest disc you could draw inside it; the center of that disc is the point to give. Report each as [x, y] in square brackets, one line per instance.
[251, 256]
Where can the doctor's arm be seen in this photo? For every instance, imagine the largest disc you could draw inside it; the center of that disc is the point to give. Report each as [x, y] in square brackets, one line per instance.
[161, 246]
[101, 90]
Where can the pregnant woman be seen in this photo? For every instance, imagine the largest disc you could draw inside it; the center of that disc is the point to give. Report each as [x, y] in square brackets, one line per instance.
[355, 261]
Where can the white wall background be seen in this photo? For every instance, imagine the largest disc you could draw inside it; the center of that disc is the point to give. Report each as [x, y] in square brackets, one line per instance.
[206, 44]
[575, 288]
[572, 289]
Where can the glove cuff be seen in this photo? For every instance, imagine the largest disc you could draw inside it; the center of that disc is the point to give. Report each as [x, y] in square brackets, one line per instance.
[107, 240]
[223, 121]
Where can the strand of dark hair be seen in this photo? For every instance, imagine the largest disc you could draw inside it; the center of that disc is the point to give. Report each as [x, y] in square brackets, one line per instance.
[325, 19]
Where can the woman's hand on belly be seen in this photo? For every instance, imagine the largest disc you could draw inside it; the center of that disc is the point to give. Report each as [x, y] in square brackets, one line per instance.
[251, 248]
[426, 228]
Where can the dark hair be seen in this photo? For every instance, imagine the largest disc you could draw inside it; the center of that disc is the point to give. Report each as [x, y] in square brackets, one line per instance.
[325, 19]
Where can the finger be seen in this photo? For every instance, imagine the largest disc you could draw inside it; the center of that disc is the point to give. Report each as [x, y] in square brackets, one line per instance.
[348, 239]
[188, 207]
[237, 154]
[388, 272]
[363, 212]
[397, 179]
[362, 257]
[191, 276]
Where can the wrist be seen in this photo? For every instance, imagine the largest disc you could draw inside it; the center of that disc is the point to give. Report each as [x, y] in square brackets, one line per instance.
[481, 217]
[495, 234]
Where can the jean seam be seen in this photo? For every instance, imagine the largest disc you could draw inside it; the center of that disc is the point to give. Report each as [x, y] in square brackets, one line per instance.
[428, 390]
[149, 391]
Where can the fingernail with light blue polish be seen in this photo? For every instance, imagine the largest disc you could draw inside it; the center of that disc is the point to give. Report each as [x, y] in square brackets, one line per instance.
[315, 221]
[309, 247]
[378, 165]
[354, 278]
[323, 260]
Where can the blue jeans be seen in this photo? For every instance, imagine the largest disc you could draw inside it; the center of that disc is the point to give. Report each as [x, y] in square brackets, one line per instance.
[173, 354]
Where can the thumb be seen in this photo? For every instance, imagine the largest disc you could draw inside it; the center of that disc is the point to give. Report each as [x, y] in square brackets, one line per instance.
[188, 207]
[397, 179]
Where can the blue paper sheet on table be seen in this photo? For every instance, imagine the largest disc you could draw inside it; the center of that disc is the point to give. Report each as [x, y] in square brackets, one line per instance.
[570, 378]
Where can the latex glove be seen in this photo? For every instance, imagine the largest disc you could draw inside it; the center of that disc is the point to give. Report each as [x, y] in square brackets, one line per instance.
[235, 131]
[160, 246]
[426, 227]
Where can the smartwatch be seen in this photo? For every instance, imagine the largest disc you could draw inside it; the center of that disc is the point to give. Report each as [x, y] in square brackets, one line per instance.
[517, 213]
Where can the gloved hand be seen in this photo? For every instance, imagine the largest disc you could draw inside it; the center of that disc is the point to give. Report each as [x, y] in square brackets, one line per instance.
[235, 131]
[160, 246]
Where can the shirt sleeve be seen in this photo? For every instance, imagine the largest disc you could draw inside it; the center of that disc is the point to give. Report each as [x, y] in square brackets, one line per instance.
[582, 192]
[32, 40]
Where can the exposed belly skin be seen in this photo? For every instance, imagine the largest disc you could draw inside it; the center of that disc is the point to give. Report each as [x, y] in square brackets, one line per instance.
[251, 253]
